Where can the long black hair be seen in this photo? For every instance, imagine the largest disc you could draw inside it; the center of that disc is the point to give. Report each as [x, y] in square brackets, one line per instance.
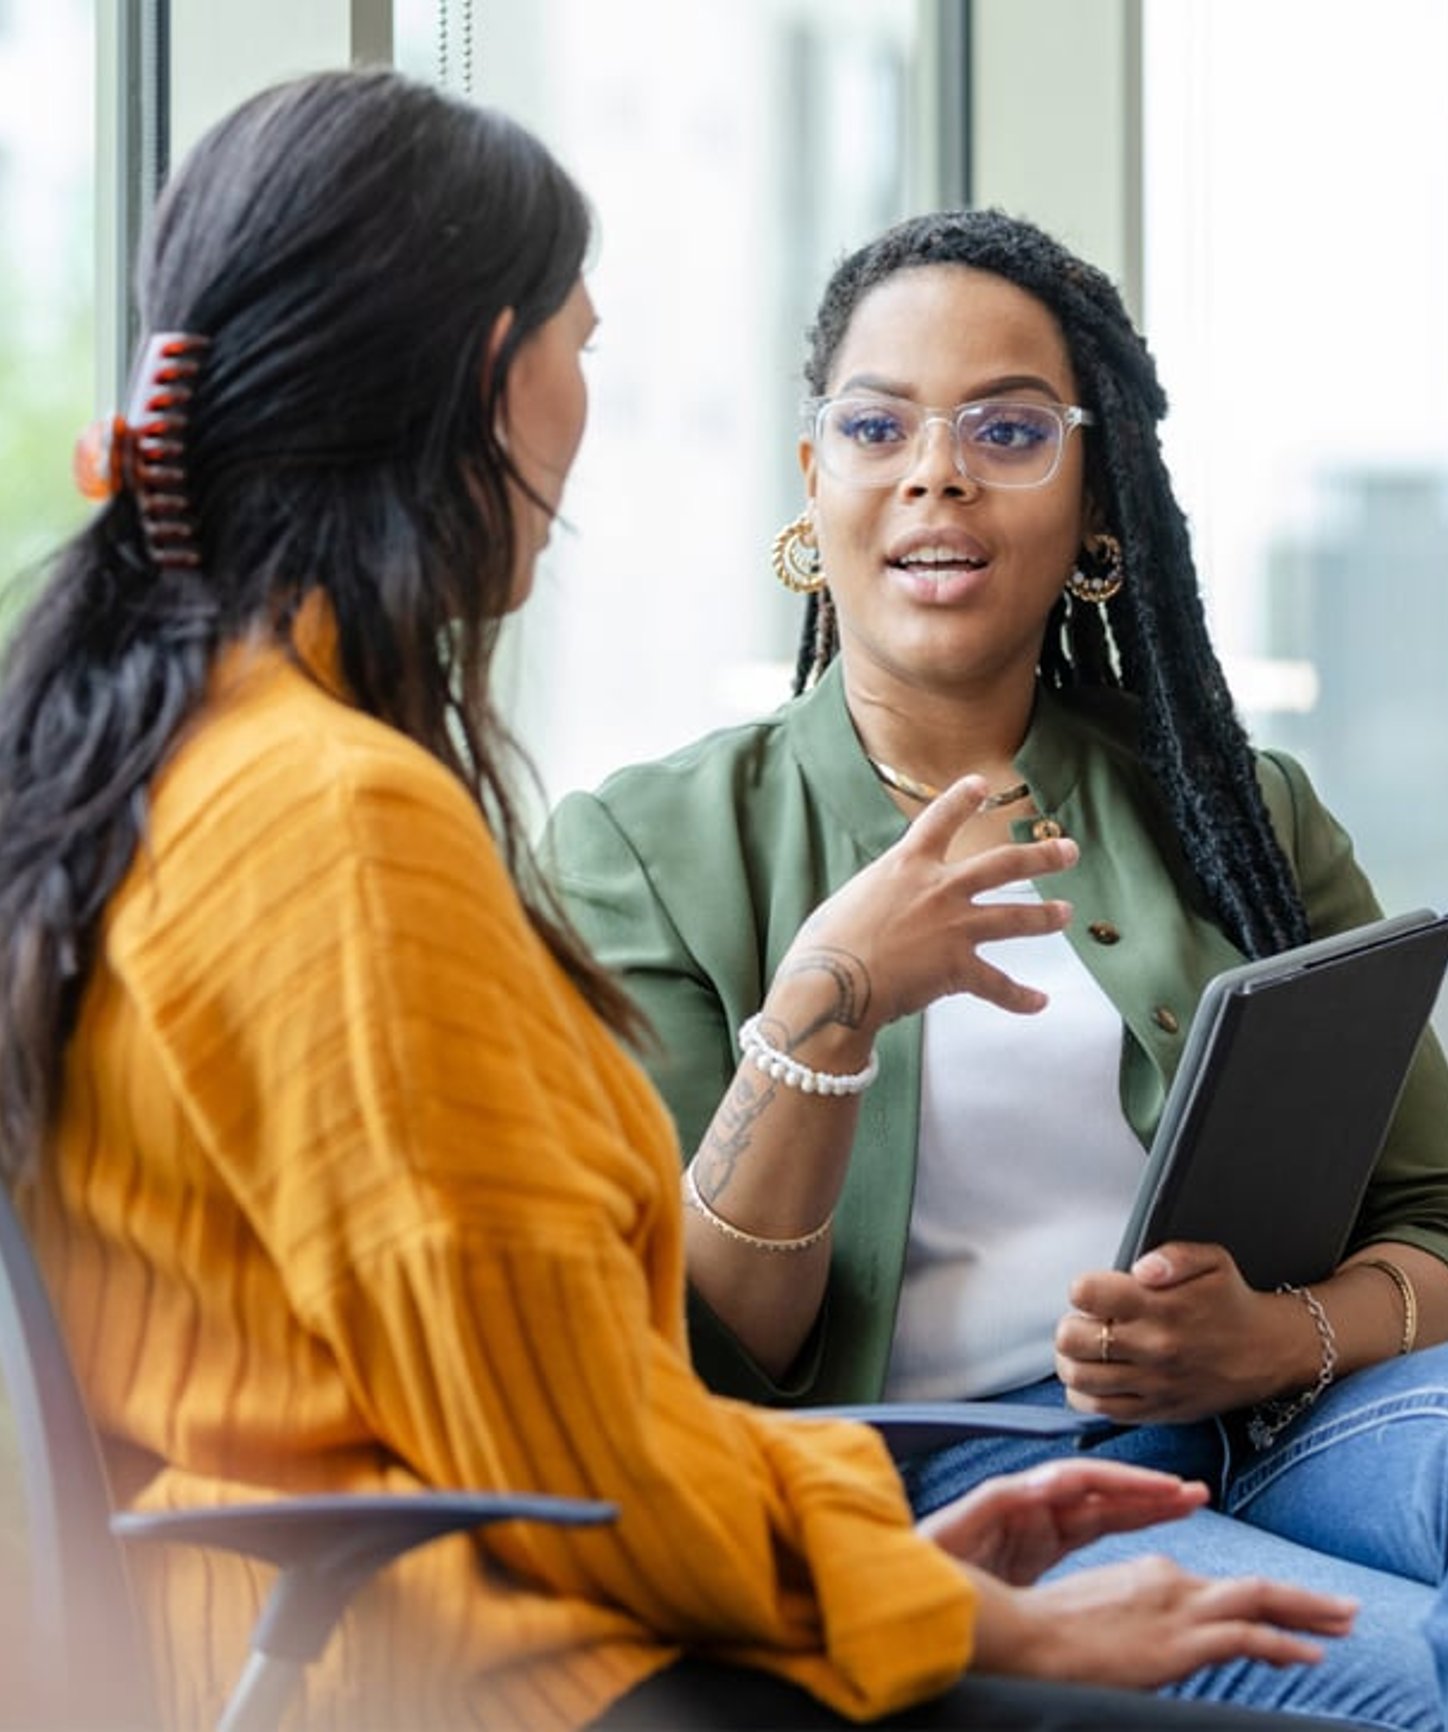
[1153, 640]
[346, 242]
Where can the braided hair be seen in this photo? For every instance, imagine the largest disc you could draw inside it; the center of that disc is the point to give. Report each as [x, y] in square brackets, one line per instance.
[1151, 638]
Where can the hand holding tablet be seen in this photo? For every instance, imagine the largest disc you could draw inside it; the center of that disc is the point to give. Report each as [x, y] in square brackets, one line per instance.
[1287, 1085]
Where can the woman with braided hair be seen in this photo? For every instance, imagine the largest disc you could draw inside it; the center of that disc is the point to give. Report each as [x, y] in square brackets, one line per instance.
[939, 1053]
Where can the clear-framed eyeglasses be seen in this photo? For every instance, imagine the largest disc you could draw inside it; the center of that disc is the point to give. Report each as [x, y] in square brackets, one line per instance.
[874, 441]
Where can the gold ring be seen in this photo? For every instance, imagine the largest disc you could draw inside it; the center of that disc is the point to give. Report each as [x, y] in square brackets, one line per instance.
[1104, 1348]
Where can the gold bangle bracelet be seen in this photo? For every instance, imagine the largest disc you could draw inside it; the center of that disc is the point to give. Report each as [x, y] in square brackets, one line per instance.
[694, 1200]
[1406, 1294]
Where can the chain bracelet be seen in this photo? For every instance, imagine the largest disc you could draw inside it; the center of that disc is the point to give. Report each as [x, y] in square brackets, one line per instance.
[1269, 1418]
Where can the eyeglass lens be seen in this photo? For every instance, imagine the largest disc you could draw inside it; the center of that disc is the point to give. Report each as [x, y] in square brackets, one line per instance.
[873, 441]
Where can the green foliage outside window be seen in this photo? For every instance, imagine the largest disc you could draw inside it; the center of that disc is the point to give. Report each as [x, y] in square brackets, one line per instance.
[47, 277]
[47, 400]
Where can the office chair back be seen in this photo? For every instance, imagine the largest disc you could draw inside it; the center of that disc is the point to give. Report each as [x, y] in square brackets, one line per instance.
[76, 1661]
[81, 1660]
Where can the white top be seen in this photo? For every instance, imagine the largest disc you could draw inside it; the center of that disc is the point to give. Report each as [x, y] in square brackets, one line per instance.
[1026, 1174]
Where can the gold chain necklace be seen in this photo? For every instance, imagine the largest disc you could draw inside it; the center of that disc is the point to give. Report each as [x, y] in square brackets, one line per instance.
[924, 793]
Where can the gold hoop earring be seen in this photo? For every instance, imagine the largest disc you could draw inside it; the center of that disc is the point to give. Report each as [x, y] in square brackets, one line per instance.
[795, 557]
[1100, 570]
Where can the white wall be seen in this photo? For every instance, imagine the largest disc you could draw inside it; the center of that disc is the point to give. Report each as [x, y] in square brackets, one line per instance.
[1056, 124]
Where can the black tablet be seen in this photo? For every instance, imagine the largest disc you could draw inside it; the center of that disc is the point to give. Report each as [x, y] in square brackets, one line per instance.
[1287, 1085]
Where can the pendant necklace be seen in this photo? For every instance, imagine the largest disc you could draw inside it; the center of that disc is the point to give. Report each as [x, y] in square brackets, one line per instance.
[924, 793]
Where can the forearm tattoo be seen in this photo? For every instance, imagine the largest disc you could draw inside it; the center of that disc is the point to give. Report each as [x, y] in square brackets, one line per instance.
[731, 1133]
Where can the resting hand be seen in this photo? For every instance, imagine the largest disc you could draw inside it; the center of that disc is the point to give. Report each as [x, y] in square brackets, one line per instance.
[1019, 1525]
[907, 928]
[1147, 1623]
[1184, 1336]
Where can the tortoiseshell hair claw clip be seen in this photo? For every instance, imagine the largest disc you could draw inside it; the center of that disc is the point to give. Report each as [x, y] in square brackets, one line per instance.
[145, 449]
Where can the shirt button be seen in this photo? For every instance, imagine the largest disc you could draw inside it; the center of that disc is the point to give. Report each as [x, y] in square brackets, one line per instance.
[1165, 1019]
[1045, 830]
[1104, 932]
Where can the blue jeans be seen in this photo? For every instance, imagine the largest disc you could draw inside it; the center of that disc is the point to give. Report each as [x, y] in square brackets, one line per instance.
[1436, 1629]
[1351, 1498]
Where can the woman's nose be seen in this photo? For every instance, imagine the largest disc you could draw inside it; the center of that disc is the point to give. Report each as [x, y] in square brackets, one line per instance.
[936, 461]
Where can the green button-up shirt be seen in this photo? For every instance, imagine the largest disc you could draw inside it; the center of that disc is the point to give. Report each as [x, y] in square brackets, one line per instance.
[692, 875]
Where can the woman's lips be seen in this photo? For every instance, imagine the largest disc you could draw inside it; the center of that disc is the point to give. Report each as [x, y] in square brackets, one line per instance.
[931, 545]
[939, 580]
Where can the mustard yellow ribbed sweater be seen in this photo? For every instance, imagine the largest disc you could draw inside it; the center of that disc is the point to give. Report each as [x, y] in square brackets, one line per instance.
[351, 1190]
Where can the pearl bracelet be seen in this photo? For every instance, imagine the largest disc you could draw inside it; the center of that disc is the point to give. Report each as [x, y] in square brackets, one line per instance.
[795, 1075]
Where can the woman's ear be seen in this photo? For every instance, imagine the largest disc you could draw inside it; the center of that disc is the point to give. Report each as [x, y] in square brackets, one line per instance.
[807, 466]
[496, 338]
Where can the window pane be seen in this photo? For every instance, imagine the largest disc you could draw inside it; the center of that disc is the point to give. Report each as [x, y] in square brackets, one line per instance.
[1297, 298]
[732, 152]
[47, 91]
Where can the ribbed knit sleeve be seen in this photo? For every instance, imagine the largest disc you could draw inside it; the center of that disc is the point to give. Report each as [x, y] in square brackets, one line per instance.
[351, 1141]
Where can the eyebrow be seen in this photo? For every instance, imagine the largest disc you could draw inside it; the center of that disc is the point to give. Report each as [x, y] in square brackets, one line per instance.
[991, 387]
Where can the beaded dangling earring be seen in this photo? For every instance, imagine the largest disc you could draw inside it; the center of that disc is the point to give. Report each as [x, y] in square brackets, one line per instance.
[1099, 572]
[795, 557]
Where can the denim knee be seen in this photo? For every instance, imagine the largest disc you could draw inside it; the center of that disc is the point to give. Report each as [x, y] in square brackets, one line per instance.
[1364, 1473]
